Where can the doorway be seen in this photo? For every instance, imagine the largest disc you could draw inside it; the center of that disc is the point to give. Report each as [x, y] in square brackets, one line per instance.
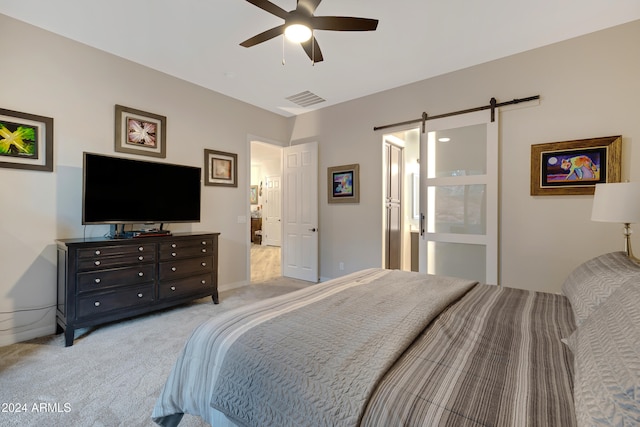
[393, 205]
[401, 167]
[265, 228]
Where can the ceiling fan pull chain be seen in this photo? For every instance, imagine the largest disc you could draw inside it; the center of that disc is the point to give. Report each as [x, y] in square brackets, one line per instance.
[283, 62]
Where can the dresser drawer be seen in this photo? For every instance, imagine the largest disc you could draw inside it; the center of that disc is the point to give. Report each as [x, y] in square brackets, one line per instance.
[99, 303]
[189, 285]
[116, 260]
[185, 249]
[106, 251]
[101, 279]
[177, 269]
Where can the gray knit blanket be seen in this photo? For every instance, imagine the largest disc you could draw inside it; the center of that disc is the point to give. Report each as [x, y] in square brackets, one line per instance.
[309, 358]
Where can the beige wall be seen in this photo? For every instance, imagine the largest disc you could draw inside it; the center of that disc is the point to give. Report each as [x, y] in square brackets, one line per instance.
[78, 86]
[589, 87]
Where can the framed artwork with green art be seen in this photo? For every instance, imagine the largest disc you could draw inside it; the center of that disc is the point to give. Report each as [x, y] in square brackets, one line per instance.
[26, 141]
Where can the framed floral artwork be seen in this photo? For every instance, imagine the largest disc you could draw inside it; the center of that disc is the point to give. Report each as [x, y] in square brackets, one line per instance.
[220, 168]
[140, 132]
[575, 167]
[26, 141]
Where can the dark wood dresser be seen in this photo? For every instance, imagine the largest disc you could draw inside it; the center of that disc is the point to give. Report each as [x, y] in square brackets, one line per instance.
[102, 280]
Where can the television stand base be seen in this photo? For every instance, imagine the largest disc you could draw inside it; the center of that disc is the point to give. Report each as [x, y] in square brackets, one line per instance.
[150, 233]
[117, 232]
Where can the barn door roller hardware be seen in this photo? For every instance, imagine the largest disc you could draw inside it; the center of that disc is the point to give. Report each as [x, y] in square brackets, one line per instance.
[493, 104]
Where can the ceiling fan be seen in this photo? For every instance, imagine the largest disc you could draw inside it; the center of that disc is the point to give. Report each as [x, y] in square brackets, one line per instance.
[300, 23]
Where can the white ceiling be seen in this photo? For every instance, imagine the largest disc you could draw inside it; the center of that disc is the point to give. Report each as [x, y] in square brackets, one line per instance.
[198, 40]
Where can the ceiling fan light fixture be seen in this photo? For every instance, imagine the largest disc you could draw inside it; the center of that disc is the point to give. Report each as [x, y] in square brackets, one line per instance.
[301, 23]
[297, 33]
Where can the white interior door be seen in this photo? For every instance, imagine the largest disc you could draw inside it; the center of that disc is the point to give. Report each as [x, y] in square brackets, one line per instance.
[459, 197]
[300, 212]
[272, 216]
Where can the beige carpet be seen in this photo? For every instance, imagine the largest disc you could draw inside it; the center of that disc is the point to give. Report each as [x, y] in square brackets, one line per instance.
[112, 374]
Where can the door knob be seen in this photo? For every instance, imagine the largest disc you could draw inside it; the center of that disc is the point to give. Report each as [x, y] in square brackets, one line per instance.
[312, 230]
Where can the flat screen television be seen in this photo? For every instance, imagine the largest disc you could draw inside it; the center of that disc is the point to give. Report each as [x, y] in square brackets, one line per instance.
[125, 191]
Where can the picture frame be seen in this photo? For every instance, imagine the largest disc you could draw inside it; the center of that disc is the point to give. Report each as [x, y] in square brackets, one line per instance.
[221, 169]
[26, 141]
[575, 167]
[253, 195]
[140, 132]
[343, 184]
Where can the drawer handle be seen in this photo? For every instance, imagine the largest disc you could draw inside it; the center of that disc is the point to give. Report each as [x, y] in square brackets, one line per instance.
[173, 254]
[97, 303]
[97, 263]
[140, 257]
[141, 248]
[98, 252]
[140, 295]
[173, 245]
[204, 282]
[204, 242]
[173, 288]
[173, 269]
[97, 280]
[204, 251]
[141, 274]
[204, 264]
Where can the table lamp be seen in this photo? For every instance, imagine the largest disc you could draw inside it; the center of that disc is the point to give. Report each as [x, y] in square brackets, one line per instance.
[618, 202]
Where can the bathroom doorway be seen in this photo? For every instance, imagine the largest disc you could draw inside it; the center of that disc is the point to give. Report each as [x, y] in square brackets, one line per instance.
[265, 211]
[400, 171]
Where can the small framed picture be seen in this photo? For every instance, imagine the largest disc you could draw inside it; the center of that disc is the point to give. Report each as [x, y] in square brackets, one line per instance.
[575, 167]
[253, 195]
[140, 132]
[26, 141]
[220, 168]
[344, 184]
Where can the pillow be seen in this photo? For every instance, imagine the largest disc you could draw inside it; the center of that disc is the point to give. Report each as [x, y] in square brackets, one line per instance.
[591, 283]
[606, 352]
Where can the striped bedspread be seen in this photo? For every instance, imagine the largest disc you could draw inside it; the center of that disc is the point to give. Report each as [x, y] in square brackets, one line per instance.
[308, 358]
[493, 359]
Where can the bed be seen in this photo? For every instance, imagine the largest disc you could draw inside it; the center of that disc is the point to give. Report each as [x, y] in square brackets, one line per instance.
[392, 348]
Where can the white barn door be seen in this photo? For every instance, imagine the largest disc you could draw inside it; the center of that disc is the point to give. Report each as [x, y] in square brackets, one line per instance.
[459, 197]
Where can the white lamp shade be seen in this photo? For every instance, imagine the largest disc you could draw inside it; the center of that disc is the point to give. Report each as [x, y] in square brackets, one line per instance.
[617, 202]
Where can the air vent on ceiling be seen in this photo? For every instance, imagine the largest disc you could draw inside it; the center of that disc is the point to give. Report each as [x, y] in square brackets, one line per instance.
[305, 99]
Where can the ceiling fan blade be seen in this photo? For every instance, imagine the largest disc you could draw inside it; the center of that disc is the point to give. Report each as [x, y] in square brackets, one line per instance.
[264, 36]
[313, 50]
[270, 7]
[343, 23]
[309, 6]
